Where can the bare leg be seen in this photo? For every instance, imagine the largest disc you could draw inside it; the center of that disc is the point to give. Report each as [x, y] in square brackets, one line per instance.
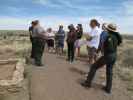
[79, 51]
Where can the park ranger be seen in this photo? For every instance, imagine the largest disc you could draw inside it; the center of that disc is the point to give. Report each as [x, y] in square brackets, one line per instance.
[38, 43]
[109, 58]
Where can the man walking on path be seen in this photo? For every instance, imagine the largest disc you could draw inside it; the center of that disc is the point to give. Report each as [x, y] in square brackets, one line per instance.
[109, 58]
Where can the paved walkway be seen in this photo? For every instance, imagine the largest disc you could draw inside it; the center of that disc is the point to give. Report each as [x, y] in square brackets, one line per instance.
[59, 80]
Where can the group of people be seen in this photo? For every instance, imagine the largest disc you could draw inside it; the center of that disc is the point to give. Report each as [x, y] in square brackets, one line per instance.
[104, 41]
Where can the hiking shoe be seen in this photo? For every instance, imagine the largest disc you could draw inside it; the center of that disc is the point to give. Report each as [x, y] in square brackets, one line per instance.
[40, 65]
[86, 85]
[106, 90]
[71, 62]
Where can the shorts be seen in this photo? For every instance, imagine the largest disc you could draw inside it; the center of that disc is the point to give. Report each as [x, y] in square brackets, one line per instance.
[92, 52]
[77, 44]
[60, 44]
[50, 43]
[80, 43]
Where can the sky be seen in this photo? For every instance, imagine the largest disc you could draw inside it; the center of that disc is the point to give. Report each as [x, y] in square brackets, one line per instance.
[17, 14]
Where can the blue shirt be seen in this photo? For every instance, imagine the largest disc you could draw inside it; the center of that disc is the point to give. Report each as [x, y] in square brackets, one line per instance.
[103, 37]
[60, 35]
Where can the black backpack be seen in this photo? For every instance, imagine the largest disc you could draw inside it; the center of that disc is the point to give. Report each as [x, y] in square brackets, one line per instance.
[79, 34]
[113, 40]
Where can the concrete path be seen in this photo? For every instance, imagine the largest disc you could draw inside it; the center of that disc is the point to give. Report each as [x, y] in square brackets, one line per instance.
[59, 80]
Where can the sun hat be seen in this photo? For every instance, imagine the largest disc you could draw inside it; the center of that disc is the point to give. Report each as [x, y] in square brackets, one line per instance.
[112, 27]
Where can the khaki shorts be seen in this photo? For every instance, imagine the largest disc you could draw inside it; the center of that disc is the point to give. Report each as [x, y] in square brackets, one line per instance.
[92, 52]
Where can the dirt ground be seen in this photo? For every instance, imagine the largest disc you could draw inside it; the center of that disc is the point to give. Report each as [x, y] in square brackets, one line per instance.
[59, 80]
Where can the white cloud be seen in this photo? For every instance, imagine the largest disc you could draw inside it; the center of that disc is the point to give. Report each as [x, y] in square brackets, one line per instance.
[44, 2]
[69, 4]
[124, 23]
[47, 3]
[128, 7]
[13, 23]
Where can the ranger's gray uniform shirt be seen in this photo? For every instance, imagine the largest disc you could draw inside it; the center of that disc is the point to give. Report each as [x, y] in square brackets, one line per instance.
[38, 31]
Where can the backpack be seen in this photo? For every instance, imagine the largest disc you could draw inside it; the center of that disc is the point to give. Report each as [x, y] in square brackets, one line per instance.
[79, 34]
[113, 40]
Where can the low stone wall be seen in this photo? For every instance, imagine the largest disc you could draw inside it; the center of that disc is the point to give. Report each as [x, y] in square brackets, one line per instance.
[10, 85]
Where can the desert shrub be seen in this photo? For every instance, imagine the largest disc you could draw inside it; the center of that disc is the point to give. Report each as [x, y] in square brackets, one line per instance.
[128, 58]
[130, 87]
[8, 50]
[126, 75]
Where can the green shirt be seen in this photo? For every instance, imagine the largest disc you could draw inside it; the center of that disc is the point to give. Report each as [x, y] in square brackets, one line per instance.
[113, 40]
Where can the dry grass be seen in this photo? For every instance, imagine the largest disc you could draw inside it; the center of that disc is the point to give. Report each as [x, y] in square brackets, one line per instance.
[10, 48]
[125, 63]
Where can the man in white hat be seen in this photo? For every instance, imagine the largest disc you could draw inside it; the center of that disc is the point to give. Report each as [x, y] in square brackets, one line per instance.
[111, 43]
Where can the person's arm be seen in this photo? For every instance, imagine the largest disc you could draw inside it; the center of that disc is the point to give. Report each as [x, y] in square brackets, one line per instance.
[119, 39]
[64, 34]
[30, 31]
[88, 37]
[67, 36]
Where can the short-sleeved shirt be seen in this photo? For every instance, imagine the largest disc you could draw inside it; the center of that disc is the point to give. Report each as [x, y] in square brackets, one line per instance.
[50, 35]
[95, 33]
[38, 31]
[60, 36]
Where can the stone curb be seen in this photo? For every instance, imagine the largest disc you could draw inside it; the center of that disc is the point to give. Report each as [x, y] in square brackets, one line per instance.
[18, 74]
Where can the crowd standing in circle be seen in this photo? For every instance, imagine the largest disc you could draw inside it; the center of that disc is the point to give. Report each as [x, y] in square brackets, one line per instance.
[104, 41]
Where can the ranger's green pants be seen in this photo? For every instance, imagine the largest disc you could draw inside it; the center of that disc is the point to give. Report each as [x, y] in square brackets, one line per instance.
[38, 46]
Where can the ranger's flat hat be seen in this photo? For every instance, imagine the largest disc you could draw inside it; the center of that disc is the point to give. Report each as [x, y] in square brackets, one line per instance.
[112, 27]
